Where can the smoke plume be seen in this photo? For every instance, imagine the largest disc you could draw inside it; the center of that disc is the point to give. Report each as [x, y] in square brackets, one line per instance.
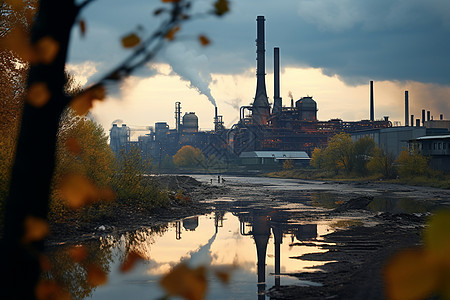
[190, 66]
[203, 256]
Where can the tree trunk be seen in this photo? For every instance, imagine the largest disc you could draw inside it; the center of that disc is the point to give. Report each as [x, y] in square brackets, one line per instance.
[35, 154]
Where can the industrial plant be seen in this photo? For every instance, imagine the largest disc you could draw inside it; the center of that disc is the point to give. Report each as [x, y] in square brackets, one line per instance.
[266, 134]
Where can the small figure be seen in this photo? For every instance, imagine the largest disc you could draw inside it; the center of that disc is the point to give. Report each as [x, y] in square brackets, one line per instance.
[211, 180]
[218, 178]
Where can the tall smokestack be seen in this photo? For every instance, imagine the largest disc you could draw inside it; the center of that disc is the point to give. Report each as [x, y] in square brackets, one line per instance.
[423, 117]
[277, 101]
[412, 120]
[261, 107]
[407, 109]
[372, 113]
[418, 122]
[428, 115]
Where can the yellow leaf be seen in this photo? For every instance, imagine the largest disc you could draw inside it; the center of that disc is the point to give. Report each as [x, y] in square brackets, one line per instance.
[18, 41]
[38, 94]
[132, 258]
[130, 41]
[221, 7]
[185, 282]
[170, 35]
[77, 191]
[437, 236]
[224, 277]
[47, 289]
[77, 253]
[35, 229]
[95, 275]
[411, 274]
[82, 103]
[204, 40]
[16, 4]
[46, 50]
[82, 24]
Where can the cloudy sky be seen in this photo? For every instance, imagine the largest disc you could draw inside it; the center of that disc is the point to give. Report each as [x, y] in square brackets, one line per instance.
[330, 49]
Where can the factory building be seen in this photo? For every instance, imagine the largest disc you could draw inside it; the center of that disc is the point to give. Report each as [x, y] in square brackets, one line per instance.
[263, 131]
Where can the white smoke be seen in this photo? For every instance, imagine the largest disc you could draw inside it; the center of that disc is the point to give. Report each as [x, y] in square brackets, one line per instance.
[190, 66]
[203, 256]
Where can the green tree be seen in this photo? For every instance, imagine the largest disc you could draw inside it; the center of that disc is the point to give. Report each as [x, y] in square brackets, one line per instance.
[318, 159]
[382, 163]
[412, 164]
[363, 151]
[188, 157]
[339, 154]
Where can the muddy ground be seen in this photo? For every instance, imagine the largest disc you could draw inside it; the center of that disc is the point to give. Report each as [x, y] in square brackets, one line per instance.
[358, 252]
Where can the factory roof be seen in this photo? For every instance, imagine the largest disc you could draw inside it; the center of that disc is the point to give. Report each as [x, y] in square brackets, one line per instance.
[433, 137]
[278, 155]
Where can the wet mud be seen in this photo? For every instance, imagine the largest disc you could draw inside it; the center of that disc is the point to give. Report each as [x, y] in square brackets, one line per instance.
[371, 222]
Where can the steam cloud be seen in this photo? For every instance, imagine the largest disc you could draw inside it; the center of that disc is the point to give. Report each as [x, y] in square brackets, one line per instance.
[188, 65]
[203, 255]
[235, 103]
[290, 95]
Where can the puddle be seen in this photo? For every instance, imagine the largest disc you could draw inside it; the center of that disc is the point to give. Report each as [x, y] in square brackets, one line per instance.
[259, 246]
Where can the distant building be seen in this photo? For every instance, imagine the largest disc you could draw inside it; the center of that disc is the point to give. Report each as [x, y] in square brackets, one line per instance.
[437, 148]
[391, 140]
[267, 159]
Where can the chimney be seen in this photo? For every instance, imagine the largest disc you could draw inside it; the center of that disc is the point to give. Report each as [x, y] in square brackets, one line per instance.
[407, 109]
[372, 117]
[412, 120]
[428, 115]
[277, 102]
[423, 117]
[261, 107]
[418, 122]
[441, 117]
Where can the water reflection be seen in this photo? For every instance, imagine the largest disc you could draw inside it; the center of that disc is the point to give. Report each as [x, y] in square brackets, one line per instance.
[220, 241]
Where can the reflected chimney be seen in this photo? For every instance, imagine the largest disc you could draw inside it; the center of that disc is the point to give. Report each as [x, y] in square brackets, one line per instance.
[261, 233]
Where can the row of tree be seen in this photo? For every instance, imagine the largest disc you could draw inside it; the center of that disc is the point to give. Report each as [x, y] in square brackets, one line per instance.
[362, 158]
